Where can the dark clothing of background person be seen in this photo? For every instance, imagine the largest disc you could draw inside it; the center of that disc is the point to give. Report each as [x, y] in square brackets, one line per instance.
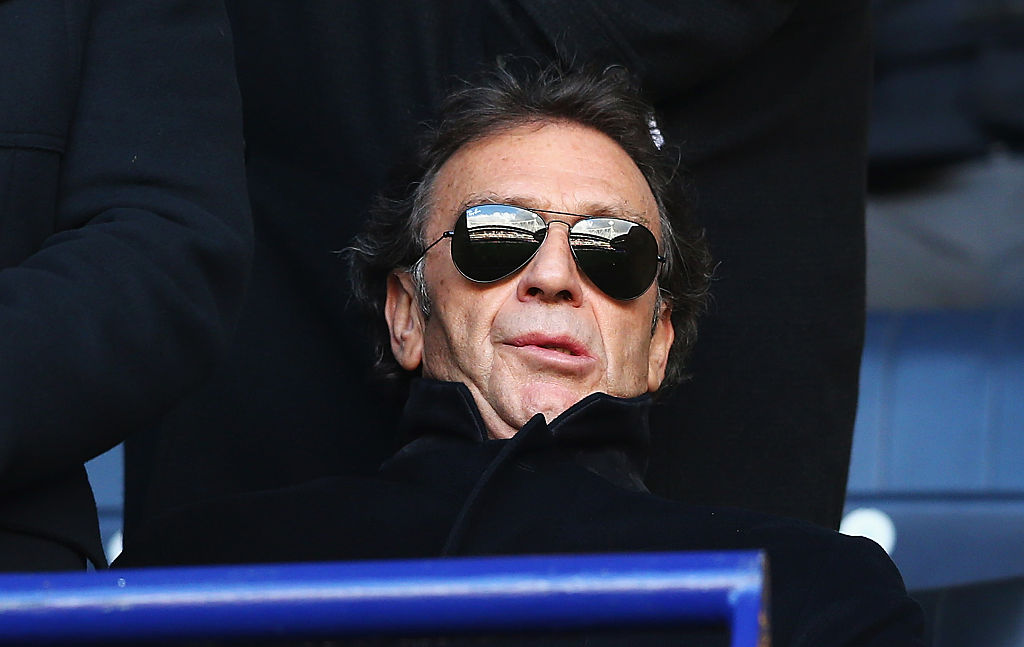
[568, 486]
[767, 102]
[125, 241]
[949, 84]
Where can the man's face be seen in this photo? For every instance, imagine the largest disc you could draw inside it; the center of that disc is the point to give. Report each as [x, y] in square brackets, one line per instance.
[544, 338]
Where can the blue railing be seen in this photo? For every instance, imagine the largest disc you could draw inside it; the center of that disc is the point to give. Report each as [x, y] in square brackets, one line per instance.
[408, 597]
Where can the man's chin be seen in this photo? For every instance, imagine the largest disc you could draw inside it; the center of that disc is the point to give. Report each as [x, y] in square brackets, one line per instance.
[507, 409]
[548, 399]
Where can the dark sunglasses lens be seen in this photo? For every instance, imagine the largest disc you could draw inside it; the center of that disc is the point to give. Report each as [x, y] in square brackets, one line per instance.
[620, 257]
[492, 241]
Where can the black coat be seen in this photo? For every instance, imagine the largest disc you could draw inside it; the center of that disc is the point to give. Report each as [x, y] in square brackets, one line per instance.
[569, 486]
[124, 243]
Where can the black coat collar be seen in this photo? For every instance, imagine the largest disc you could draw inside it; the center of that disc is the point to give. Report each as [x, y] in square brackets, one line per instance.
[609, 436]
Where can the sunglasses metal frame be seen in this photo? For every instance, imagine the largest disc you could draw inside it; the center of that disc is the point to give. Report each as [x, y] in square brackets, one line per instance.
[659, 259]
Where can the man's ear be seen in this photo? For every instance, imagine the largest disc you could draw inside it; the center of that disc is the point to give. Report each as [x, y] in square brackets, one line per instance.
[661, 344]
[402, 312]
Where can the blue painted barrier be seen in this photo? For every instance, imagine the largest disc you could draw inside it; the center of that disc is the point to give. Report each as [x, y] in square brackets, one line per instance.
[407, 597]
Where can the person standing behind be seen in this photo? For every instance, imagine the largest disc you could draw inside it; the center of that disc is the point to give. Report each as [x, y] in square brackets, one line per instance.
[125, 243]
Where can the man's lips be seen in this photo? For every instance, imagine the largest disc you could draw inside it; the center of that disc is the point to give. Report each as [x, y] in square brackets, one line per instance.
[559, 349]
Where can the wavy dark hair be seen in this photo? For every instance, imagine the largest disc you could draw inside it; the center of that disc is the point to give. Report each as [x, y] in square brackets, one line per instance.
[499, 101]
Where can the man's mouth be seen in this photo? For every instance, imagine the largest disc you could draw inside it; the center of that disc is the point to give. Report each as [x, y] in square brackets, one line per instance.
[561, 345]
[560, 349]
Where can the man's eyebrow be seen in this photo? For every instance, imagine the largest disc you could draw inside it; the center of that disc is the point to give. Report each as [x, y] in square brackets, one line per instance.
[615, 211]
[476, 199]
[587, 209]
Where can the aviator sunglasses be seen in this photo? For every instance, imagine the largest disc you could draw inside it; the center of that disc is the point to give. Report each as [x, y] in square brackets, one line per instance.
[493, 241]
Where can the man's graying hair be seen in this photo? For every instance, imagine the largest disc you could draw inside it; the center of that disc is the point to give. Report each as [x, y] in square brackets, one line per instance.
[502, 101]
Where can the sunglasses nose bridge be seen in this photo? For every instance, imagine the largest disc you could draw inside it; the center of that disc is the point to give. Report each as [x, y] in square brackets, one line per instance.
[552, 272]
[568, 226]
[547, 235]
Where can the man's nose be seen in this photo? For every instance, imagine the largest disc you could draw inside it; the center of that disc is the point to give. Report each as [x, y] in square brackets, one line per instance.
[552, 274]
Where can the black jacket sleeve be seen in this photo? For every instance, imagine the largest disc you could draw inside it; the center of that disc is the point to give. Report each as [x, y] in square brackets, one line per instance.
[858, 598]
[130, 296]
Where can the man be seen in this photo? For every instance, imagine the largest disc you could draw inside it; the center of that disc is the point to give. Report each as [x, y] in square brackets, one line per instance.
[535, 280]
[770, 99]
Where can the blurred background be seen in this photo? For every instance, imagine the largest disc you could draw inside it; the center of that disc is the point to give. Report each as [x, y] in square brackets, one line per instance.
[937, 471]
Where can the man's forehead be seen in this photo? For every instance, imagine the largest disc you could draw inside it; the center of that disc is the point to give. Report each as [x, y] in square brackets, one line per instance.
[558, 166]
